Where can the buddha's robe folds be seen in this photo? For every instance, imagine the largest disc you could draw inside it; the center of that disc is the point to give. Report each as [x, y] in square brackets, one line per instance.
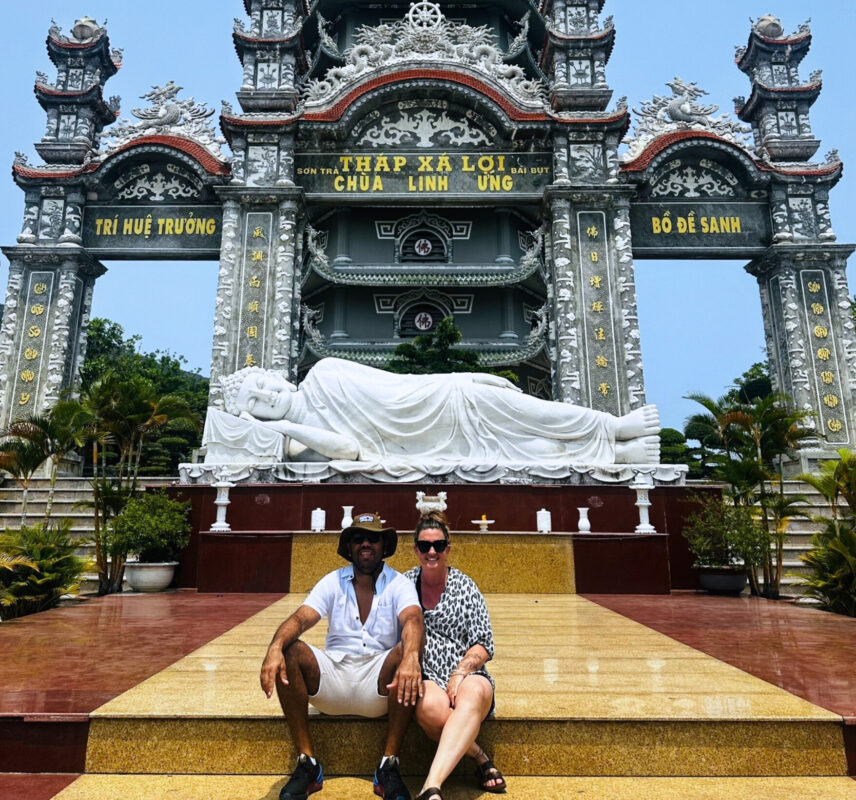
[456, 417]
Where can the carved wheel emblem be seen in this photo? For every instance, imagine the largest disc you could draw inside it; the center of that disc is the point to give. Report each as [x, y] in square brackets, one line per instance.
[423, 321]
[423, 247]
[425, 15]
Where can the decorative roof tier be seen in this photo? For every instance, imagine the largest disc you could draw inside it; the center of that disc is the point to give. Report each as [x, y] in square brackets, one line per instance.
[767, 38]
[778, 106]
[272, 55]
[576, 53]
[74, 102]
[88, 40]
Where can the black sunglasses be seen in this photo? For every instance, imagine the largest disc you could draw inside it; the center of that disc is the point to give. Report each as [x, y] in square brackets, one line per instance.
[439, 546]
[360, 537]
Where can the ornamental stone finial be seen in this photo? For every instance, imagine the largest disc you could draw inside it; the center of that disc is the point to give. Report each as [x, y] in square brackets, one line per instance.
[769, 27]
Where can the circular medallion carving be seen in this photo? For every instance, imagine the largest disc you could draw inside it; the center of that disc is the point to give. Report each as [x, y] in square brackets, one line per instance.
[423, 321]
[423, 247]
[425, 15]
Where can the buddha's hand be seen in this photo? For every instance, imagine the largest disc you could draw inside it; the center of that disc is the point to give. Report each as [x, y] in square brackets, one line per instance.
[496, 381]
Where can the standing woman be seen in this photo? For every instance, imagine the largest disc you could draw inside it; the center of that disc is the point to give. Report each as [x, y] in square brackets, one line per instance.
[458, 691]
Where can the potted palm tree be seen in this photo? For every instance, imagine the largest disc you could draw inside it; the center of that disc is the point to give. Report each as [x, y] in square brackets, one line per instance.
[727, 541]
[155, 529]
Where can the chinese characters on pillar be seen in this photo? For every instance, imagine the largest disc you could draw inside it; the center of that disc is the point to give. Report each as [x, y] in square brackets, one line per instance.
[599, 351]
[28, 374]
[254, 289]
[831, 408]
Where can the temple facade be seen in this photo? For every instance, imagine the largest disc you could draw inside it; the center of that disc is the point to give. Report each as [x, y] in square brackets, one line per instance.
[393, 164]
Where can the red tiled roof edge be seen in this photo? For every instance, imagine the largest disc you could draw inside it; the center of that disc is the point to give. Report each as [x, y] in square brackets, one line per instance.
[211, 164]
[656, 147]
[336, 112]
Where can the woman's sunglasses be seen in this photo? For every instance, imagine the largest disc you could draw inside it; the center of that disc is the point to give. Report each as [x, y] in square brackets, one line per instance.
[439, 546]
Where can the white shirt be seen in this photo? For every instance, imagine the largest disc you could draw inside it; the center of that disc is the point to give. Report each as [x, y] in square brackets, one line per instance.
[334, 597]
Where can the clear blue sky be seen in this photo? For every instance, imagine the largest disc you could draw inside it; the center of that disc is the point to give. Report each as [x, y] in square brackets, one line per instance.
[700, 321]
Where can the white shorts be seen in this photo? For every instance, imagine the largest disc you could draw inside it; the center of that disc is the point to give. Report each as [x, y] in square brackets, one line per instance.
[349, 686]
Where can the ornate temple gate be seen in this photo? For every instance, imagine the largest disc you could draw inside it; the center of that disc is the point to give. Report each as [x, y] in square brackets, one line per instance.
[399, 165]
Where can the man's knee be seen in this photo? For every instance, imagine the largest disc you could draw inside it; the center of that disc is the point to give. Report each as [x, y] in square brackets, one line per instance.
[299, 658]
[387, 670]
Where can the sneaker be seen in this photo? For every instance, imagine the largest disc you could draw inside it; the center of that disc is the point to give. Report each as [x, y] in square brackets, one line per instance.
[388, 783]
[306, 779]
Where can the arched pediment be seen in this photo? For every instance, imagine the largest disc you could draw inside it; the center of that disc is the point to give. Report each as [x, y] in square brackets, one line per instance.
[425, 38]
[158, 169]
[696, 165]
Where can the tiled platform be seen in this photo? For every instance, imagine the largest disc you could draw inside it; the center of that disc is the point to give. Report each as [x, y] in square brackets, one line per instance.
[590, 692]
[612, 696]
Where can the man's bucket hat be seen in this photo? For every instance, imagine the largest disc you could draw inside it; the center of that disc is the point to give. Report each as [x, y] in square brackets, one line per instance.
[366, 521]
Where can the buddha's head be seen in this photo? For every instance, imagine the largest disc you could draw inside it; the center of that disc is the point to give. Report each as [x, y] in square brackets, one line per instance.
[263, 393]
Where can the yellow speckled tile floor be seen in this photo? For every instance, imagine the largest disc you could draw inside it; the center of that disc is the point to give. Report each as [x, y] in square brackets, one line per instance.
[558, 657]
[265, 787]
[581, 690]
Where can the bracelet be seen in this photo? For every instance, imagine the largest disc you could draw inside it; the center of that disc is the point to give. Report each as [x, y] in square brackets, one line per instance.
[461, 672]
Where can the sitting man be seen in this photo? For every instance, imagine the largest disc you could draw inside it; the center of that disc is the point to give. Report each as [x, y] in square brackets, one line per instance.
[370, 664]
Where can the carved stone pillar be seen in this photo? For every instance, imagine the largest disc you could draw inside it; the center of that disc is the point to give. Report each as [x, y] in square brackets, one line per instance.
[562, 297]
[598, 358]
[811, 341]
[258, 290]
[286, 311]
[43, 334]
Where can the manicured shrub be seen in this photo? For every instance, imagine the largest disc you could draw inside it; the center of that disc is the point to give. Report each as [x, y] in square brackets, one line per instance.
[153, 526]
[53, 569]
[832, 561]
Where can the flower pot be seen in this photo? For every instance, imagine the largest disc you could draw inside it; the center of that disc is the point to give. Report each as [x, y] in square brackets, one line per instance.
[146, 577]
[722, 580]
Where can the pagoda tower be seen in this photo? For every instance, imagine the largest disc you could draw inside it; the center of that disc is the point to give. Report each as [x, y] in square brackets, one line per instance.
[51, 277]
[811, 340]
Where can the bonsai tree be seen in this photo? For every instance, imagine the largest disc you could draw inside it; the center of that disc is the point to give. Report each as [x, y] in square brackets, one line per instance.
[723, 534]
[153, 527]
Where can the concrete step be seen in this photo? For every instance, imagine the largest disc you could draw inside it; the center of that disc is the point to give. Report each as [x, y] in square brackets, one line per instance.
[253, 787]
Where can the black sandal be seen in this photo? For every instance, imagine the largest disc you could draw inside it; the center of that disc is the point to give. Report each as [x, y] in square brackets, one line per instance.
[487, 771]
[432, 791]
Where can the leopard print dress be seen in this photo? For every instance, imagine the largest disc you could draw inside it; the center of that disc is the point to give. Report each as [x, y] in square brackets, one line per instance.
[458, 621]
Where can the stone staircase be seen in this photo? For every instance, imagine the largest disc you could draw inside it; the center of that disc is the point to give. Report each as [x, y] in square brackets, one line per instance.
[799, 533]
[70, 498]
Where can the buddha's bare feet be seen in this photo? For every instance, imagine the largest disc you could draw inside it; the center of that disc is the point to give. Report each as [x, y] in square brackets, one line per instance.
[644, 450]
[643, 421]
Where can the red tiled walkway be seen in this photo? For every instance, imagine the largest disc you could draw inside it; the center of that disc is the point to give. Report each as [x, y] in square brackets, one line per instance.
[62, 664]
[807, 652]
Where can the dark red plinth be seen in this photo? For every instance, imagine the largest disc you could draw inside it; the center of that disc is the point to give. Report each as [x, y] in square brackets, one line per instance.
[621, 563]
[256, 562]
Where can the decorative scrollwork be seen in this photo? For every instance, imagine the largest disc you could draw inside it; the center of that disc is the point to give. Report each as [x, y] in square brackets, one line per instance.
[423, 35]
[681, 112]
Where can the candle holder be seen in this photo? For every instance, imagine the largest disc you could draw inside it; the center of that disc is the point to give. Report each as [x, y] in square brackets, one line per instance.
[318, 519]
[642, 485]
[483, 523]
[222, 502]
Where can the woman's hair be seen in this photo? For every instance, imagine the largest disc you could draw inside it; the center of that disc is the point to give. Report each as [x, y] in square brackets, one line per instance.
[433, 520]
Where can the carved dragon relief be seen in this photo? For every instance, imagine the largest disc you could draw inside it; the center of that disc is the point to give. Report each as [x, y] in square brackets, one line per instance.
[424, 35]
[167, 116]
[681, 112]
